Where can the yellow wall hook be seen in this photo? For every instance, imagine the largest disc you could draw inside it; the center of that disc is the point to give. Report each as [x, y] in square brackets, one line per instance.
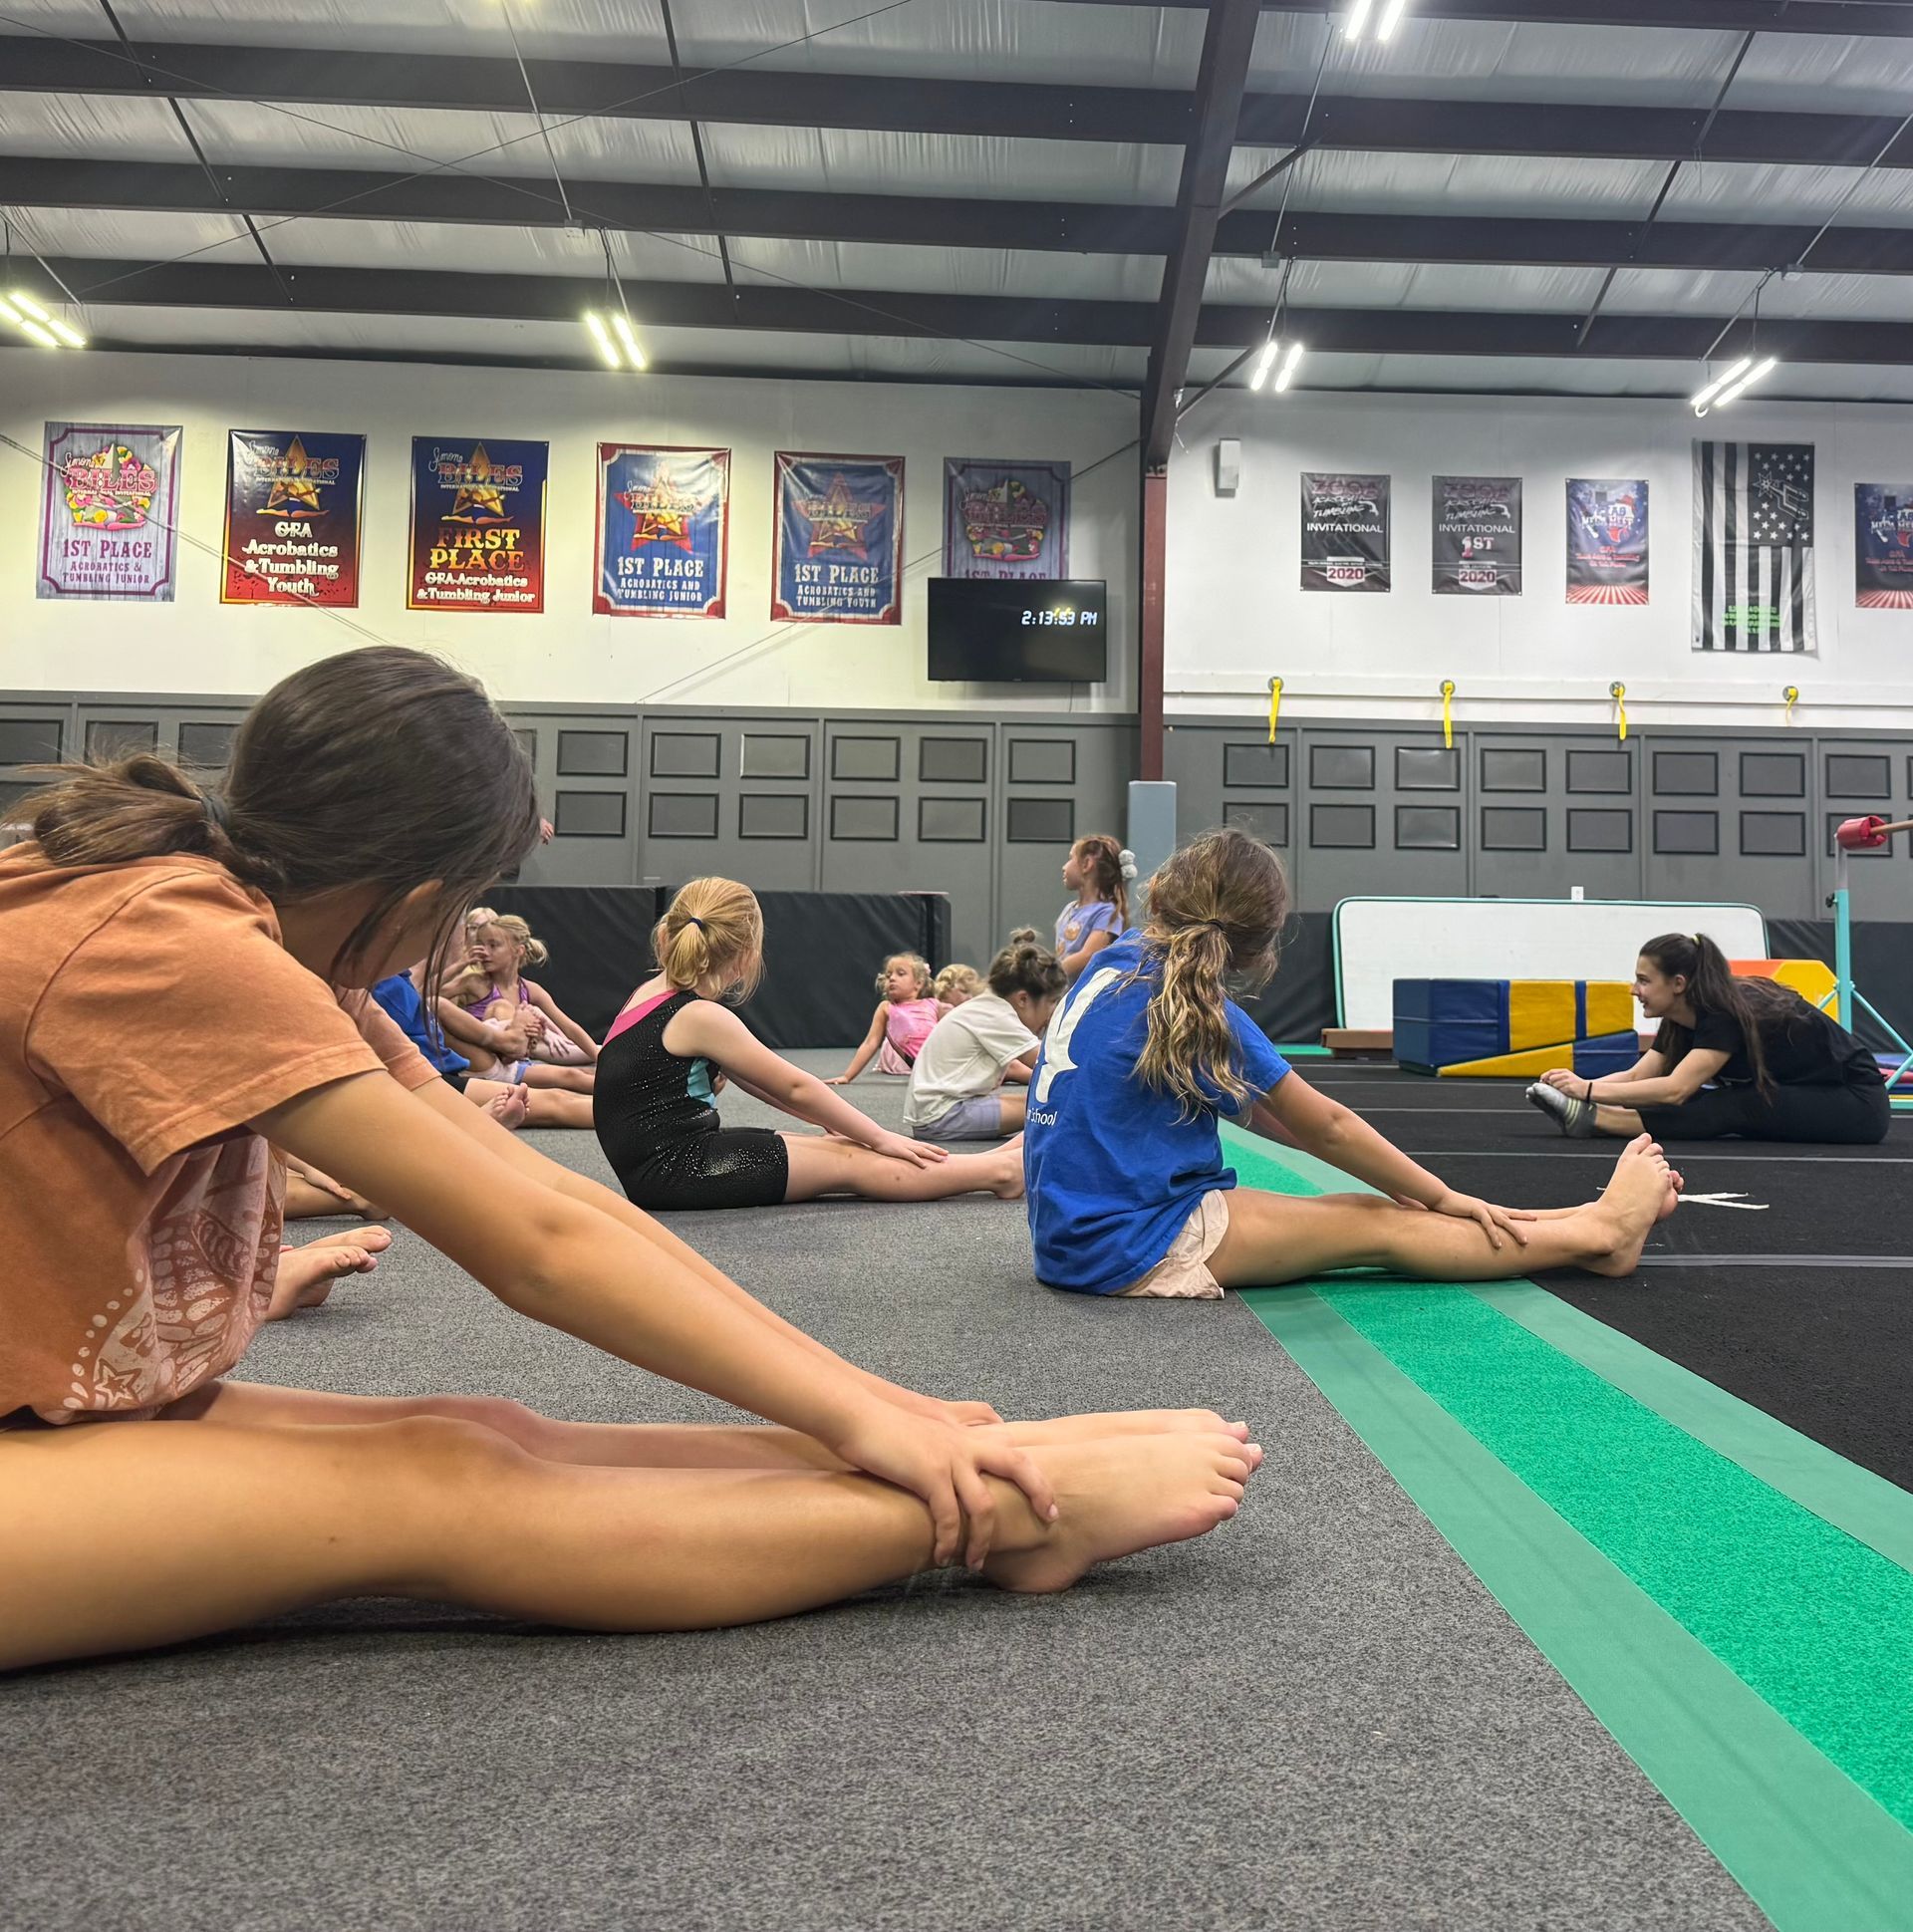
[1619, 691]
[1448, 714]
[1274, 706]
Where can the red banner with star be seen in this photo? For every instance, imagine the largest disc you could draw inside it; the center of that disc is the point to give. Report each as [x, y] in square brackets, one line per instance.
[839, 546]
[293, 504]
[477, 524]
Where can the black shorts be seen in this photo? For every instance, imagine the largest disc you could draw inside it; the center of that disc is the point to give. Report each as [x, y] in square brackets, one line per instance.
[460, 1080]
[729, 1167]
[1856, 1116]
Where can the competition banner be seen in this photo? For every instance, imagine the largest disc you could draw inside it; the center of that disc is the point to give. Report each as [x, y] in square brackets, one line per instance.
[1606, 540]
[293, 504]
[1345, 532]
[838, 551]
[1005, 520]
[108, 507]
[1884, 546]
[1478, 536]
[664, 531]
[477, 525]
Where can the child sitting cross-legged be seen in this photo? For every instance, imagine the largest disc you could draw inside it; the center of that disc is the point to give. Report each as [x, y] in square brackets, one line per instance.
[664, 1138]
[955, 1087]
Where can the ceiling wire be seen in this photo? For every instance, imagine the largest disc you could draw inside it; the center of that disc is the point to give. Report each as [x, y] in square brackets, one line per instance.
[909, 327]
[538, 113]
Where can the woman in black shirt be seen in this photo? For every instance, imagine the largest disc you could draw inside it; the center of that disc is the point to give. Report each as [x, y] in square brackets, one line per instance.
[1732, 1056]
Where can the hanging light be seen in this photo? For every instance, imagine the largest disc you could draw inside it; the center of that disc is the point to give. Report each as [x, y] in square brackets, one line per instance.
[1361, 11]
[600, 335]
[1286, 374]
[1263, 363]
[1731, 393]
[37, 323]
[626, 337]
[1726, 387]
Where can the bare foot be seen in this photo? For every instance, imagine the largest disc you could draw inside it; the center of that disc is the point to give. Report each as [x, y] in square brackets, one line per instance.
[1123, 1421]
[1007, 1163]
[1635, 1198]
[509, 1108]
[306, 1274]
[1121, 1494]
[1675, 1181]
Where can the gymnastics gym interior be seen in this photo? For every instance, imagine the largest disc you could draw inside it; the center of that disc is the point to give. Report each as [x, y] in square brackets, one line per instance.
[913, 437]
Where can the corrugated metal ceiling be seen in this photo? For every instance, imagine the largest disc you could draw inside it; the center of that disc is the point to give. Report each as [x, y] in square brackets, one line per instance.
[1014, 43]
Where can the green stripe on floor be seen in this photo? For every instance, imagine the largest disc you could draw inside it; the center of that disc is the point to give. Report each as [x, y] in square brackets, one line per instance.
[1754, 1658]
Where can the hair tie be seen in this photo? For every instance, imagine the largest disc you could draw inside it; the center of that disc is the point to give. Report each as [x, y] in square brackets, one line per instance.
[691, 918]
[218, 813]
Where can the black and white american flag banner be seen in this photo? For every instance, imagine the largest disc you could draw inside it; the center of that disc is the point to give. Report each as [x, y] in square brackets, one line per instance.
[1754, 547]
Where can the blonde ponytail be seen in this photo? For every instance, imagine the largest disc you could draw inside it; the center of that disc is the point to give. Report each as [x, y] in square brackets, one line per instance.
[1216, 913]
[713, 930]
[1189, 1033]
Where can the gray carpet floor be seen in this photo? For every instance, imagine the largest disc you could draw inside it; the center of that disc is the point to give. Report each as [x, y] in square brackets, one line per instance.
[1315, 1719]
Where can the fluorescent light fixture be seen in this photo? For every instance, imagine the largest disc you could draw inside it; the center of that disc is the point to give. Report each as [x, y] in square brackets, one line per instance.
[626, 337]
[1753, 375]
[1390, 18]
[602, 336]
[67, 332]
[28, 306]
[1263, 363]
[1705, 400]
[43, 337]
[8, 313]
[1358, 17]
[1286, 374]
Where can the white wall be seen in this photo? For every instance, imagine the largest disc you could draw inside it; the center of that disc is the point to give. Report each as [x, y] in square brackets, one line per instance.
[565, 655]
[1237, 615]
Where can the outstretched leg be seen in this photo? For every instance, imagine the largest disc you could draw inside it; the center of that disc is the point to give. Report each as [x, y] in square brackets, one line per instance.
[641, 1445]
[262, 1520]
[823, 1164]
[1277, 1238]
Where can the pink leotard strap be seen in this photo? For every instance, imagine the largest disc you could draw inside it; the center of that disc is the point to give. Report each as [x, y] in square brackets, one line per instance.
[633, 1014]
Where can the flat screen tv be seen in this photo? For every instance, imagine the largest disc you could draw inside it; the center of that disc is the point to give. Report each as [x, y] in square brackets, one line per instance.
[1033, 630]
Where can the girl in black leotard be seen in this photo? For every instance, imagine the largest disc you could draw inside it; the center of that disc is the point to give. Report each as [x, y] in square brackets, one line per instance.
[1732, 1056]
[658, 1072]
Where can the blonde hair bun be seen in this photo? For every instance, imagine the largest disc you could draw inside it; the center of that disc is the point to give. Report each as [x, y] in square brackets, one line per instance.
[713, 931]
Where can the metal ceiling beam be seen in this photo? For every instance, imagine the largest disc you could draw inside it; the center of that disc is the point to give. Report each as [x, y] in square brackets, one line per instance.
[477, 84]
[527, 202]
[1857, 18]
[1088, 228]
[1227, 45]
[474, 299]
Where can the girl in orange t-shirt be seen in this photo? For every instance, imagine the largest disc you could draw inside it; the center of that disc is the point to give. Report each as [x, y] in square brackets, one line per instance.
[186, 977]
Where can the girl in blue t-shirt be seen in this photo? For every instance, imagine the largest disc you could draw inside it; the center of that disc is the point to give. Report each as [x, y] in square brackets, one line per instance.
[1128, 1192]
[1098, 872]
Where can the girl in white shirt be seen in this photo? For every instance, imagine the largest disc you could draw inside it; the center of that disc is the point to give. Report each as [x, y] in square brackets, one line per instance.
[955, 1086]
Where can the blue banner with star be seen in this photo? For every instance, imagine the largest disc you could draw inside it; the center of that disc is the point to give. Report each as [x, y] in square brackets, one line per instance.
[663, 530]
[293, 500]
[838, 552]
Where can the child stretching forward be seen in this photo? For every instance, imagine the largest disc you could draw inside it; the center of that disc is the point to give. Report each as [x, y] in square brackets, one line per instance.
[654, 1115]
[955, 1087]
[903, 1020]
[1128, 1194]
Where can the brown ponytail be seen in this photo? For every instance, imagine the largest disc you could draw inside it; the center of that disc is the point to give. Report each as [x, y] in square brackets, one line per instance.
[1216, 913]
[378, 767]
[1102, 858]
[1025, 964]
[1713, 988]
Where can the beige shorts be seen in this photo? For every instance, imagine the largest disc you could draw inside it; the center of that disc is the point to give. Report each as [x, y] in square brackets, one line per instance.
[1183, 1273]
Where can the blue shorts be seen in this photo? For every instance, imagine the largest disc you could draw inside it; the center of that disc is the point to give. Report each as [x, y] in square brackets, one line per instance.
[979, 1118]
